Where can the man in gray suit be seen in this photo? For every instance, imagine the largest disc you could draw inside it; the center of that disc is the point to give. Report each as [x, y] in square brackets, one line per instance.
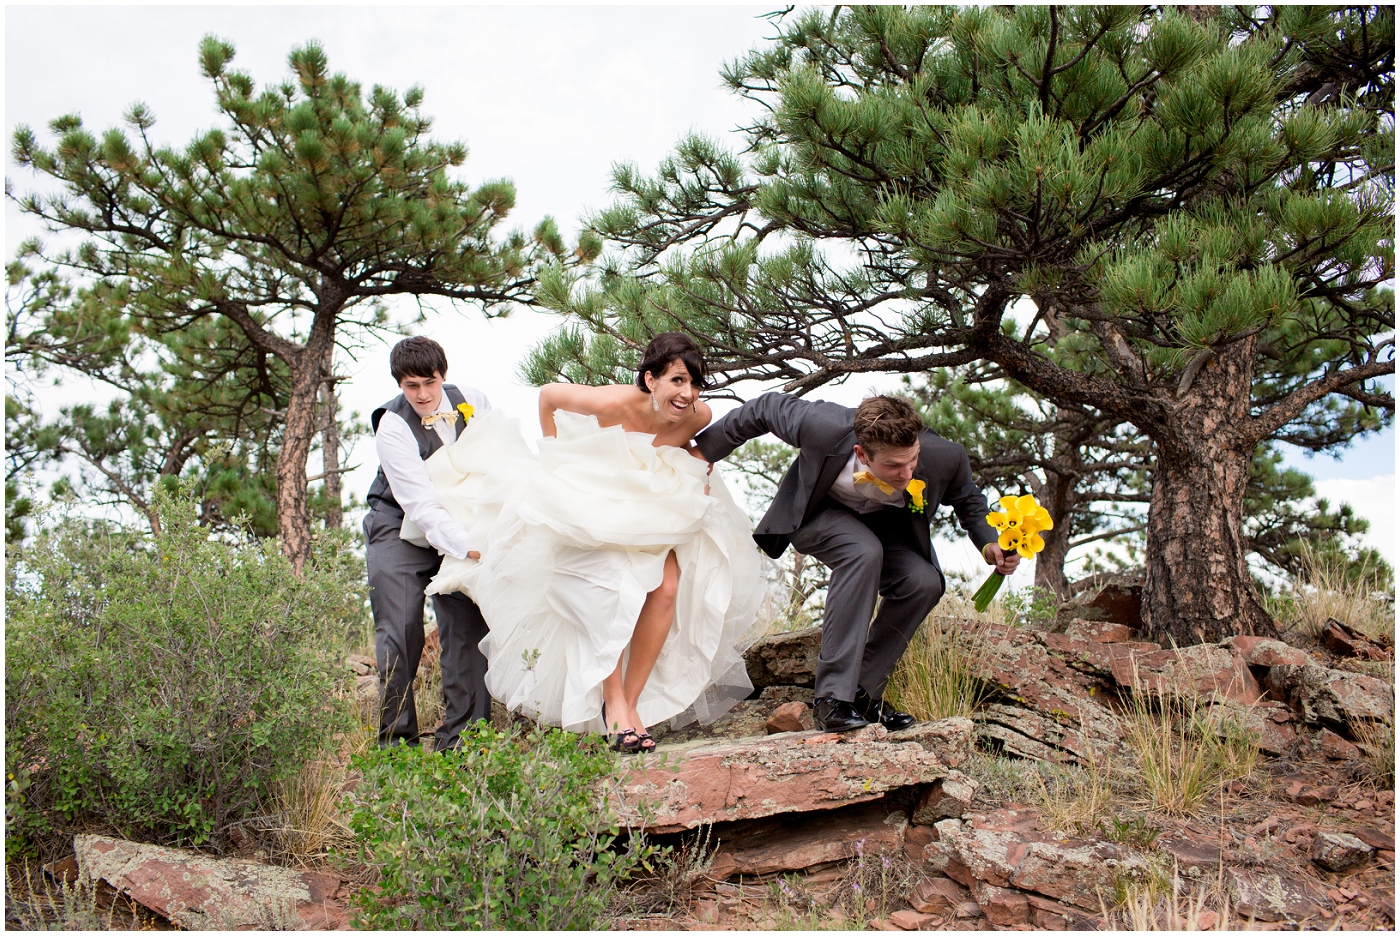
[406, 533]
[859, 498]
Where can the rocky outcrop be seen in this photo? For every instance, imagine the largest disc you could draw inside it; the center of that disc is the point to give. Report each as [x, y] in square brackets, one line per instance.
[1052, 694]
[791, 716]
[1346, 641]
[1340, 851]
[1007, 850]
[796, 842]
[946, 799]
[1118, 600]
[1337, 698]
[785, 659]
[200, 892]
[1209, 671]
[793, 772]
[1271, 898]
[1045, 688]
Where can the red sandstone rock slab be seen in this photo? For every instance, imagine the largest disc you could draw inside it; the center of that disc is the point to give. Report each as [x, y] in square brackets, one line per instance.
[1265, 651]
[1188, 853]
[785, 659]
[911, 919]
[1056, 715]
[796, 772]
[948, 798]
[1004, 906]
[200, 892]
[1206, 669]
[1347, 641]
[1271, 724]
[937, 895]
[1340, 851]
[1074, 871]
[1100, 631]
[1376, 838]
[1051, 914]
[1275, 897]
[1118, 601]
[1328, 695]
[796, 841]
[1334, 747]
[790, 716]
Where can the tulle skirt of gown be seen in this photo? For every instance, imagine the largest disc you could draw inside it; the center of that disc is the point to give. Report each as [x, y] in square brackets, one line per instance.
[572, 541]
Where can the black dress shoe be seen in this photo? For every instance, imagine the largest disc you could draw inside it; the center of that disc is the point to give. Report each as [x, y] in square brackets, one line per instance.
[836, 715]
[878, 711]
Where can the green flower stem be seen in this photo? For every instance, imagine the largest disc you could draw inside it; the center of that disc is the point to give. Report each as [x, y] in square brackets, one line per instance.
[988, 591]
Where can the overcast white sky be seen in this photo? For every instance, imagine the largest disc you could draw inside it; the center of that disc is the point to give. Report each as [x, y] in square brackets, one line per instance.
[547, 96]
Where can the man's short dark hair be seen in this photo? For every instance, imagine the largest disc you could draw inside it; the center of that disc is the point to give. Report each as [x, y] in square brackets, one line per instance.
[884, 422]
[417, 357]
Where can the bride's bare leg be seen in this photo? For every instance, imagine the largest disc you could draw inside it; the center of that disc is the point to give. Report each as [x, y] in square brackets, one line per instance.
[653, 624]
[615, 704]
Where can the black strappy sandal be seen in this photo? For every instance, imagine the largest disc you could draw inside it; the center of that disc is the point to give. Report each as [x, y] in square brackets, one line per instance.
[645, 743]
[626, 741]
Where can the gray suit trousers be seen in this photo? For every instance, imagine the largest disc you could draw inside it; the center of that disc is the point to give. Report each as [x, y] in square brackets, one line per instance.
[399, 573]
[868, 554]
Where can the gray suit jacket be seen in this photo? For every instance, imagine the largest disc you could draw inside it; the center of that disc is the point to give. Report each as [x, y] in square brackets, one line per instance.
[824, 435]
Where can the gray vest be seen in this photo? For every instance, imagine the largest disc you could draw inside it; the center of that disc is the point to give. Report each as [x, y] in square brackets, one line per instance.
[380, 497]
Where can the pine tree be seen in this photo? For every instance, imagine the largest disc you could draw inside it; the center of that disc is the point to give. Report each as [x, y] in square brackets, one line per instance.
[1194, 207]
[1094, 476]
[281, 233]
[1091, 472]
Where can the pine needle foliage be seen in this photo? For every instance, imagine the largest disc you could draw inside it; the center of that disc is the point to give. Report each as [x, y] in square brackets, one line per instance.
[1178, 217]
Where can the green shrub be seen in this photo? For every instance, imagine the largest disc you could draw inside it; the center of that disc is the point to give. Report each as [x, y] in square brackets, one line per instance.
[1033, 607]
[512, 831]
[157, 687]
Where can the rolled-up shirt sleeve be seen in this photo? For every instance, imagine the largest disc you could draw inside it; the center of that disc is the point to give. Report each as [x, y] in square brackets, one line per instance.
[413, 489]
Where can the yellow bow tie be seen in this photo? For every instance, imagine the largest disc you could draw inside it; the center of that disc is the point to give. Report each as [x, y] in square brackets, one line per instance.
[449, 415]
[865, 477]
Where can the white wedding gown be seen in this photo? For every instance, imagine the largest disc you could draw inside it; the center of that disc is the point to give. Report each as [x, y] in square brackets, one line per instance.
[572, 541]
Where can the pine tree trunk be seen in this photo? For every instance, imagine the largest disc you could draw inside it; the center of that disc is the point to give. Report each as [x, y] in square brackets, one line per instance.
[330, 449]
[1056, 497]
[293, 510]
[1197, 587]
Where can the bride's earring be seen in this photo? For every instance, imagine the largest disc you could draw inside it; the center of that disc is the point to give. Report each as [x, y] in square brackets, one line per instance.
[656, 407]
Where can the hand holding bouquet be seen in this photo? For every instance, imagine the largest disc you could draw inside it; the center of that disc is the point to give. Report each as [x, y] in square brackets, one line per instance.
[1019, 524]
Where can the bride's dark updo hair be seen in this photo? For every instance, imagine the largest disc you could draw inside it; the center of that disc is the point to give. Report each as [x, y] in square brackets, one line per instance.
[666, 348]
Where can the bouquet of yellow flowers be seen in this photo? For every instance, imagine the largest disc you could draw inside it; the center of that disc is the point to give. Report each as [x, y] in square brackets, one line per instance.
[1019, 524]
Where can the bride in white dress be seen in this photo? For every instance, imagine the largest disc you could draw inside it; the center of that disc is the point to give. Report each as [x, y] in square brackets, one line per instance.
[617, 574]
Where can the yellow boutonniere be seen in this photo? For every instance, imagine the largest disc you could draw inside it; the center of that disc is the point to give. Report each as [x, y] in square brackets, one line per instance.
[916, 495]
[466, 410]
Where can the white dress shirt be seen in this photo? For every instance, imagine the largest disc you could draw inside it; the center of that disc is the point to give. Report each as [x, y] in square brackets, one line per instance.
[862, 498]
[408, 476]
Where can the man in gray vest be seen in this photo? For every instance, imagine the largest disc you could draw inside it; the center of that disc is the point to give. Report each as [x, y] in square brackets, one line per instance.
[406, 532]
[859, 498]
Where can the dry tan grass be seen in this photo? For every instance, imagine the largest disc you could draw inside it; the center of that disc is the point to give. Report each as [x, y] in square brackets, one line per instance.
[1324, 591]
[1076, 798]
[1163, 902]
[1377, 743]
[34, 902]
[310, 817]
[936, 677]
[1185, 749]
